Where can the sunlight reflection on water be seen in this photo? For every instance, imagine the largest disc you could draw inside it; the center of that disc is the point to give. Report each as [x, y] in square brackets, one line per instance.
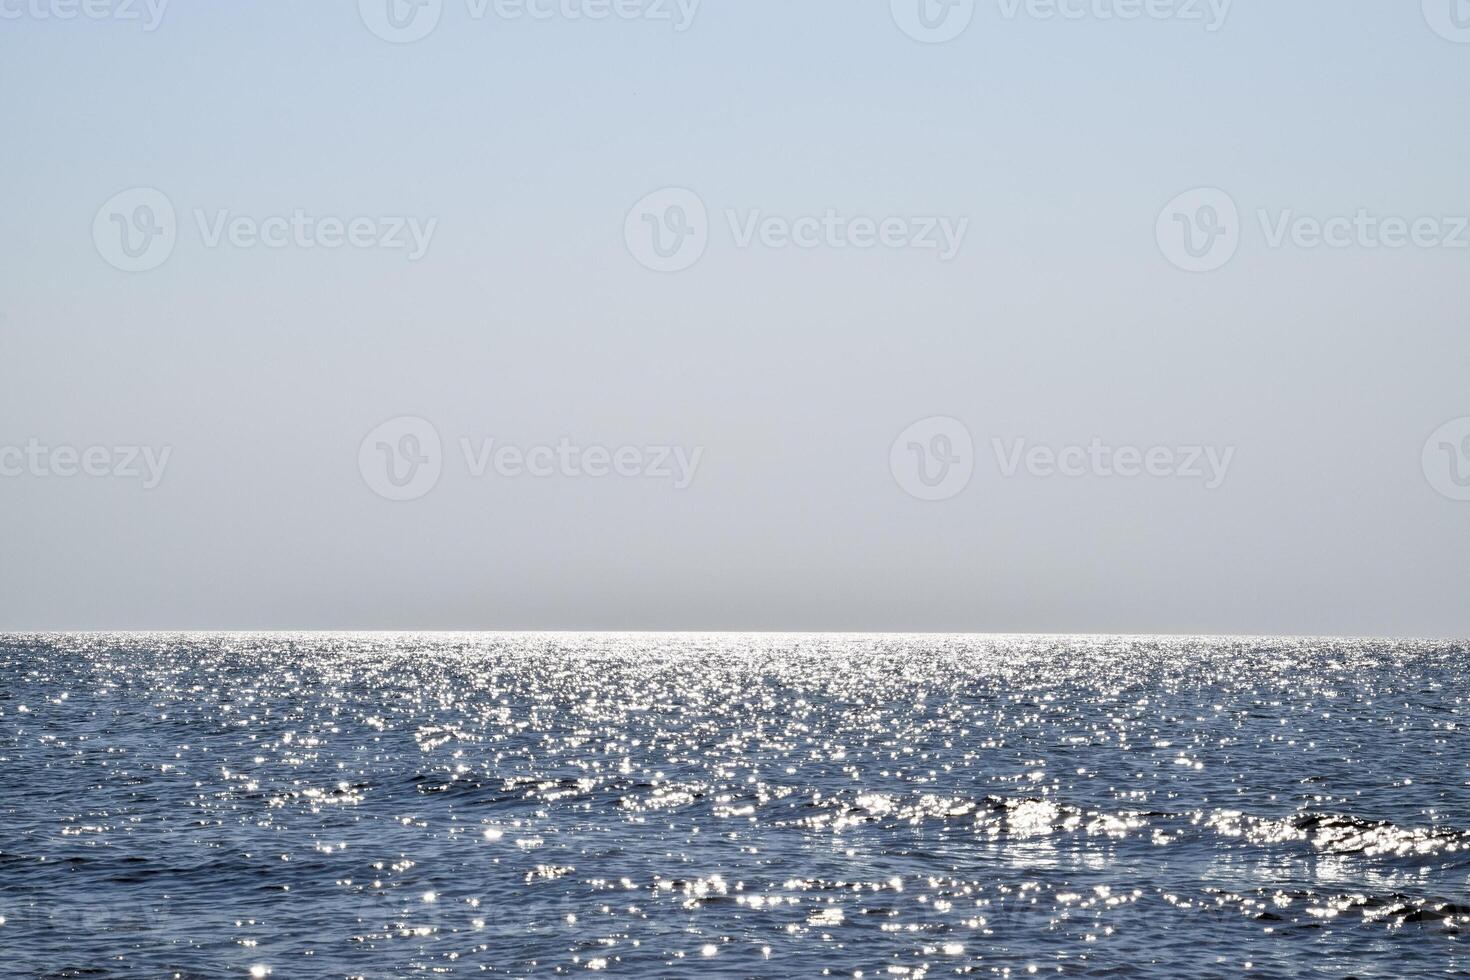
[731, 805]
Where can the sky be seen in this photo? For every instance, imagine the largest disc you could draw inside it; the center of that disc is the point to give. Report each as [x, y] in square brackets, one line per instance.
[1138, 316]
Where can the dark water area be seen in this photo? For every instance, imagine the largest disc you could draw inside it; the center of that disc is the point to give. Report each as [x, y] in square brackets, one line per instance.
[360, 805]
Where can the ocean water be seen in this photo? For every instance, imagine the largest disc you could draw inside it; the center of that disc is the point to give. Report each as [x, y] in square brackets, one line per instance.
[337, 805]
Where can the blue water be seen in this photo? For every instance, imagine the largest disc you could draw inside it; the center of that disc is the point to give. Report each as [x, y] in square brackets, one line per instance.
[732, 806]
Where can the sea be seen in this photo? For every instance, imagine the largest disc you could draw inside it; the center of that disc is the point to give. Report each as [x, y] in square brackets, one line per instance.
[732, 805]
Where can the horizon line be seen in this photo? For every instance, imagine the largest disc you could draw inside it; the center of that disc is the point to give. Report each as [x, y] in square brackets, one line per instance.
[512, 631]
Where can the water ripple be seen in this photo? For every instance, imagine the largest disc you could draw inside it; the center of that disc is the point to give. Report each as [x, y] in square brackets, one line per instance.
[867, 806]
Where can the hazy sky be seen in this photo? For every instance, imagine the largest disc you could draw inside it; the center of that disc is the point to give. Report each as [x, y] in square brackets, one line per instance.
[238, 243]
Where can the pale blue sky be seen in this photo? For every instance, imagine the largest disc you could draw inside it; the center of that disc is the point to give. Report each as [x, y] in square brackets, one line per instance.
[529, 320]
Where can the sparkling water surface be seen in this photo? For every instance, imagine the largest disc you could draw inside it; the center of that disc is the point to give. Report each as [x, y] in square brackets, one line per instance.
[338, 805]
